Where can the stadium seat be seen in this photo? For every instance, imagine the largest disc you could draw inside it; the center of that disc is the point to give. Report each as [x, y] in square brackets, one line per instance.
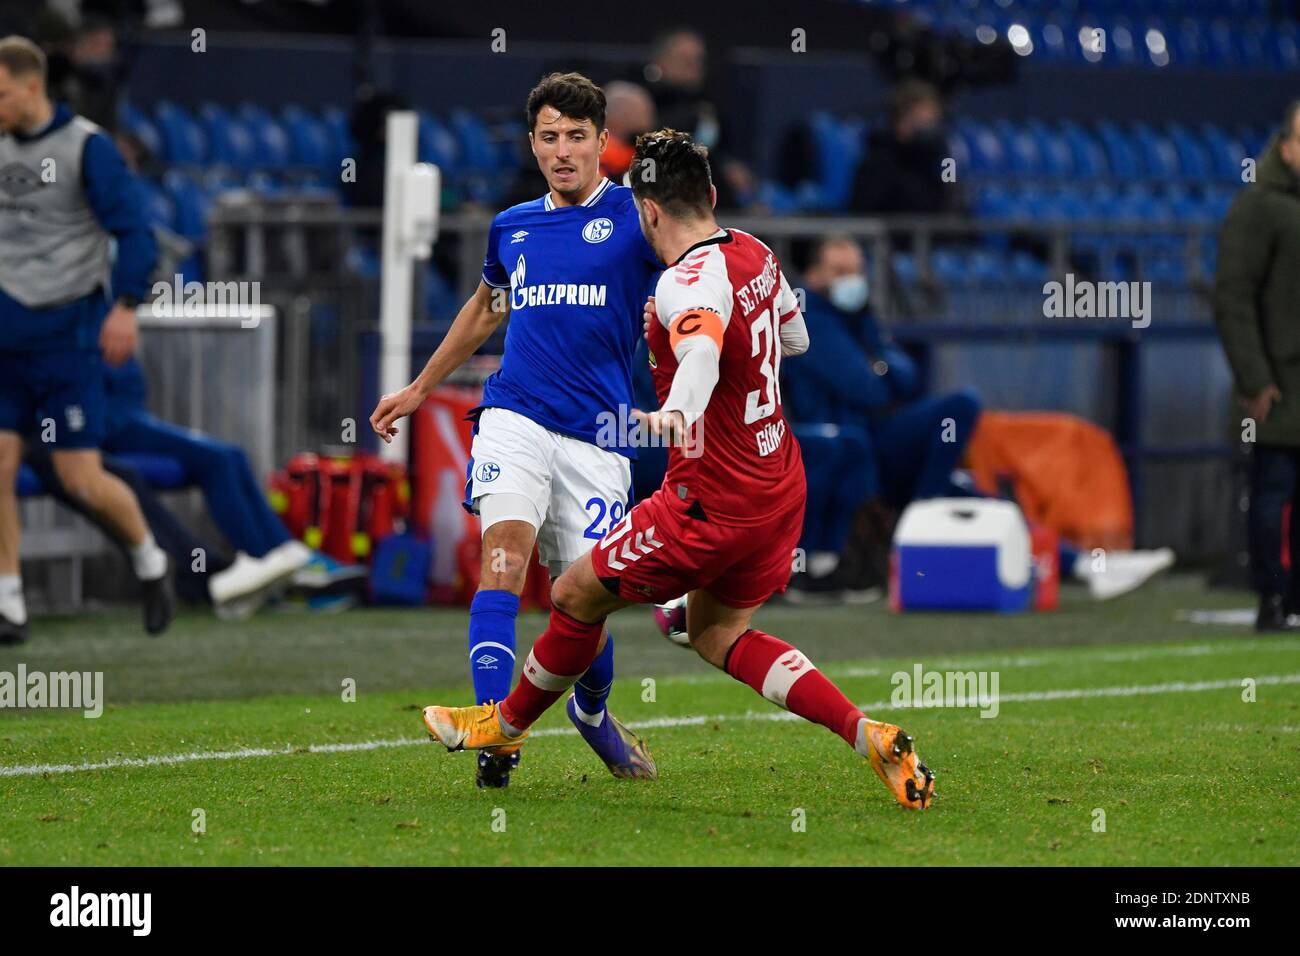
[839, 148]
[160, 207]
[339, 133]
[309, 141]
[139, 125]
[270, 140]
[159, 471]
[230, 142]
[192, 205]
[184, 141]
[475, 144]
[437, 144]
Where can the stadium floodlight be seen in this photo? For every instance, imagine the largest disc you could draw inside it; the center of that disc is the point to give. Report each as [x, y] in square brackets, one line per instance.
[411, 211]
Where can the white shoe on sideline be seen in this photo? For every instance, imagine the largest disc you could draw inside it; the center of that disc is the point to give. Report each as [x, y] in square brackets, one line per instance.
[242, 588]
[1125, 571]
[290, 557]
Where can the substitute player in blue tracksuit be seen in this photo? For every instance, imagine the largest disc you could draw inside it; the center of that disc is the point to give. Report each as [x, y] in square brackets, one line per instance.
[551, 455]
[65, 196]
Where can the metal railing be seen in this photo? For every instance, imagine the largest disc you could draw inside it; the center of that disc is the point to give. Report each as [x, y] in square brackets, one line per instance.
[1159, 419]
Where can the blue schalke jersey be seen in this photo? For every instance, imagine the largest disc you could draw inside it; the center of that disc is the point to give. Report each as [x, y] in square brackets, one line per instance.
[578, 278]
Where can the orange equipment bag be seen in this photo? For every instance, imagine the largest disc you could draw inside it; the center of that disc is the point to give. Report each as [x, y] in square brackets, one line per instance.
[1067, 474]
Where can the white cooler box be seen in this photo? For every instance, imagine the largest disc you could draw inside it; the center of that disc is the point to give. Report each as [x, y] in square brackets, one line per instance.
[961, 554]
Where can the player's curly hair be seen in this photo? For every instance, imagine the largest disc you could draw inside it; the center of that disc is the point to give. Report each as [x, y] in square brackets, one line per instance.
[673, 170]
[572, 94]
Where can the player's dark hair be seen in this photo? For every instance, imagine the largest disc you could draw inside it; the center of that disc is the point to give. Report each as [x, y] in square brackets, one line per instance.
[21, 57]
[572, 94]
[673, 170]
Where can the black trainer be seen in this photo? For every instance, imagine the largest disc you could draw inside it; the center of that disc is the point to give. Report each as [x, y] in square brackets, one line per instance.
[493, 770]
[12, 633]
[159, 600]
[1274, 615]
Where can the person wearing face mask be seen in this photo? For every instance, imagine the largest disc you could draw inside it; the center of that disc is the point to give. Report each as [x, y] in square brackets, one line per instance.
[870, 436]
[901, 173]
[867, 393]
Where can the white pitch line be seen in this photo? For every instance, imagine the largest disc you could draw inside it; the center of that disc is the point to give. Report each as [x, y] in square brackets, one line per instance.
[1068, 693]
[988, 662]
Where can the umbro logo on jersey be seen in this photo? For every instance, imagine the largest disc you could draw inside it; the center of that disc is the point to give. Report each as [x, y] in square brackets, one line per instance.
[485, 661]
[518, 236]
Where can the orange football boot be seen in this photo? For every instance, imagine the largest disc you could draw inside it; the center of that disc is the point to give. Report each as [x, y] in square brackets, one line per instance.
[470, 728]
[890, 753]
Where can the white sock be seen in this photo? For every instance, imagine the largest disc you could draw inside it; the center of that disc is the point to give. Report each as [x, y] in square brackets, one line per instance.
[149, 560]
[591, 720]
[12, 605]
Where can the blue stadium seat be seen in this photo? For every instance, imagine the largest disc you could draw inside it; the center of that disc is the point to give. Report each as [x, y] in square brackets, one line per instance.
[159, 471]
[184, 141]
[950, 267]
[339, 133]
[838, 148]
[1121, 156]
[270, 141]
[904, 266]
[438, 145]
[1055, 156]
[1159, 158]
[986, 150]
[229, 140]
[440, 300]
[159, 206]
[138, 124]
[476, 150]
[309, 141]
[1024, 267]
[263, 182]
[1021, 148]
[1285, 41]
[191, 204]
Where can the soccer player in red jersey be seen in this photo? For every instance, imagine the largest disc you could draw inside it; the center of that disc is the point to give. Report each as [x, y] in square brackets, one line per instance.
[726, 521]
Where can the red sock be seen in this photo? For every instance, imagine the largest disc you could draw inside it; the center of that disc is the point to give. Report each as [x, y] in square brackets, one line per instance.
[787, 678]
[558, 658]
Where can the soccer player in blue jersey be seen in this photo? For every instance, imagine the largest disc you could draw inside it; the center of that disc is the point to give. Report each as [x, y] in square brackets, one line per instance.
[572, 271]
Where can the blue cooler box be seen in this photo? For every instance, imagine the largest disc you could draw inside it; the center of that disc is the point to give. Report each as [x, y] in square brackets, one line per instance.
[961, 554]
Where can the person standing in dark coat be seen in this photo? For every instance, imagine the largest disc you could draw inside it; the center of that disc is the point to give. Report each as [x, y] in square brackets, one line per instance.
[1256, 296]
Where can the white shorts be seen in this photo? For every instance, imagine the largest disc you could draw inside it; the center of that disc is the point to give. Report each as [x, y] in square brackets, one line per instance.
[579, 491]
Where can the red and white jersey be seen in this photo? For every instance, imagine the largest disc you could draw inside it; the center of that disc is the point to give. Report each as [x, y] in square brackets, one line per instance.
[741, 464]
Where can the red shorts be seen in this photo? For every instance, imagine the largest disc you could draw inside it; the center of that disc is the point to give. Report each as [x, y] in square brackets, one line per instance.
[659, 552]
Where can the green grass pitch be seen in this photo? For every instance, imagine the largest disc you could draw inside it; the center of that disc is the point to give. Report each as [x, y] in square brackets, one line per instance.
[1114, 712]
